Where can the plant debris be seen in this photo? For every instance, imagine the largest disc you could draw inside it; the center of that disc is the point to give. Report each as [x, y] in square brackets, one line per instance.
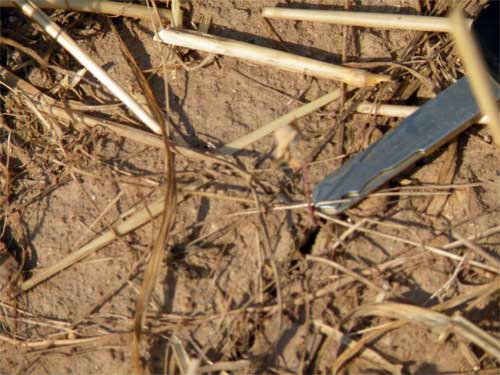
[169, 242]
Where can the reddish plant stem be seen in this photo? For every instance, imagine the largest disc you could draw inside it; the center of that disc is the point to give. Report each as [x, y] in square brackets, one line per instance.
[308, 193]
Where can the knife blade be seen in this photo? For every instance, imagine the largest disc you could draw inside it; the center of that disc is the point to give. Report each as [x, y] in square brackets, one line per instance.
[435, 123]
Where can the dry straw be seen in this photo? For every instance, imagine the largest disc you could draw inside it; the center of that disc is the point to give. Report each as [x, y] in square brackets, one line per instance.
[435, 321]
[268, 56]
[351, 349]
[395, 110]
[367, 353]
[61, 37]
[362, 19]
[432, 249]
[112, 8]
[48, 105]
[136, 220]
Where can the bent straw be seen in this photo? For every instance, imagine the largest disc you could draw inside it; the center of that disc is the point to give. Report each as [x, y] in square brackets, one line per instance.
[112, 8]
[363, 19]
[349, 343]
[395, 110]
[268, 56]
[475, 68]
[438, 322]
[51, 28]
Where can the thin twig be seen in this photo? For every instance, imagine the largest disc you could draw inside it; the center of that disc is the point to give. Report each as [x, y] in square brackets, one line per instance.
[347, 271]
[486, 233]
[432, 249]
[478, 250]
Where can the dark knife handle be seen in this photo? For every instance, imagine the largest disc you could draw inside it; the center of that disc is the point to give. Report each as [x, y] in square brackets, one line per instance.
[487, 30]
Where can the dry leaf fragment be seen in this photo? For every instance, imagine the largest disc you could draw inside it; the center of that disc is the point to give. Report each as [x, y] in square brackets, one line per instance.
[68, 83]
[286, 139]
[77, 78]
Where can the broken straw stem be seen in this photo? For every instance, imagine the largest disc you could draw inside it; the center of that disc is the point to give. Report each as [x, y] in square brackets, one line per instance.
[248, 139]
[363, 19]
[83, 58]
[112, 8]
[394, 110]
[136, 220]
[268, 56]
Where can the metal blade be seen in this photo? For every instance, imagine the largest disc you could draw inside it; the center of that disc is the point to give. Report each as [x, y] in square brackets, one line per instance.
[435, 123]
